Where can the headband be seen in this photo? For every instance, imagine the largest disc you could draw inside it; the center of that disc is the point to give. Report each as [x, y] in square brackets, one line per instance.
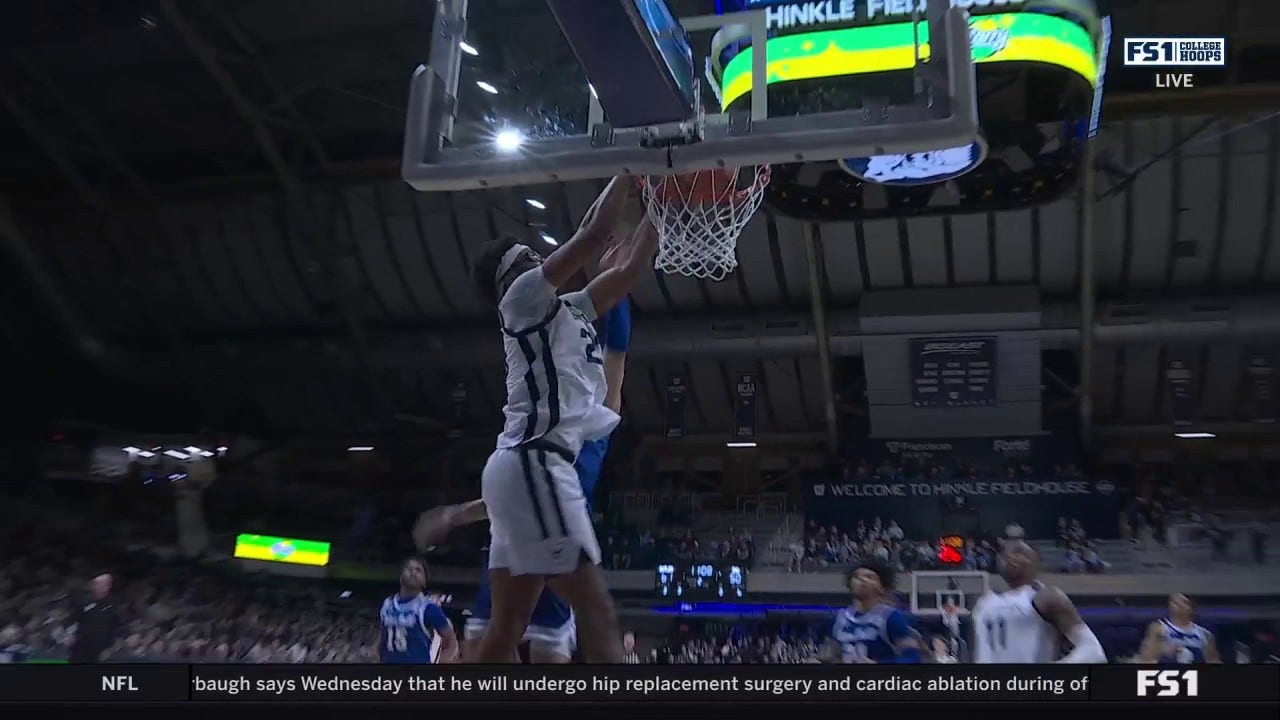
[508, 259]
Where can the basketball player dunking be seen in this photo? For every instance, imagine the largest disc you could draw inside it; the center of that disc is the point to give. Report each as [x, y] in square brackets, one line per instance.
[411, 622]
[871, 630]
[1026, 623]
[1177, 639]
[552, 632]
[540, 529]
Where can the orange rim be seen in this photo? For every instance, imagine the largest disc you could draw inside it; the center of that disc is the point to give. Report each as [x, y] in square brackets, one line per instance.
[763, 174]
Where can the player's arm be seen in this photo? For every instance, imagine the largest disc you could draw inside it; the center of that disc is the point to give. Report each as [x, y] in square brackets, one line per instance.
[904, 638]
[617, 340]
[1152, 644]
[435, 524]
[609, 287]
[832, 649]
[978, 638]
[594, 231]
[433, 618]
[1211, 654]
[1057, 608]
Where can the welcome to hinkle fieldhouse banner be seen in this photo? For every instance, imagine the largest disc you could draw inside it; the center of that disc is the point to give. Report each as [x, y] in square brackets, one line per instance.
[925, 508]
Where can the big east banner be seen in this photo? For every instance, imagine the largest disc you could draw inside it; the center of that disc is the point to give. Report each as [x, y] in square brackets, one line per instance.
[929, 508]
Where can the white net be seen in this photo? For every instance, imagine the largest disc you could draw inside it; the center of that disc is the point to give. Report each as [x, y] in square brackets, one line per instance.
[699, 217]
[939, 592]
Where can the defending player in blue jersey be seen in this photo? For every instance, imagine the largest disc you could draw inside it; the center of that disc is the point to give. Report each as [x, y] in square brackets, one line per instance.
[870, 630]
[551, 633]
[411, 622]
[1177, 639]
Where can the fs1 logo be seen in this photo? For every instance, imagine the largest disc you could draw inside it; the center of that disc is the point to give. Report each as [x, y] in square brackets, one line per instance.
[1169, 683]
[1175, 52]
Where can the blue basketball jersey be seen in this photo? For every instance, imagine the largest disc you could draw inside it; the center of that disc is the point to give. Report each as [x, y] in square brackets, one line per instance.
[871, 635]
[409, 627]
[550, 612]
[589, 464]
[1187, 644]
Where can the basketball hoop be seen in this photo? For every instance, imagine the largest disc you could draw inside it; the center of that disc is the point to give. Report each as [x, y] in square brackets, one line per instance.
[699, 217]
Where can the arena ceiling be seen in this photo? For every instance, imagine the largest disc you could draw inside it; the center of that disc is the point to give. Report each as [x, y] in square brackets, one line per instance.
[212, 189]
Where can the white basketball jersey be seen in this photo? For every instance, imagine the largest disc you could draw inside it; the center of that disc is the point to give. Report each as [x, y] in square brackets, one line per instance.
[555, 367]
[1007, 628]
[1188, 644]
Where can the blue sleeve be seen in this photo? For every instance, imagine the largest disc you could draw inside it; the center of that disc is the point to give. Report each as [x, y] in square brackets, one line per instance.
[617, 326]
[433, 617]
[897, 627]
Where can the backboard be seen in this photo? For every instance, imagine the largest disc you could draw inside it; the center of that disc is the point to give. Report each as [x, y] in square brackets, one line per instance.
[727, 124]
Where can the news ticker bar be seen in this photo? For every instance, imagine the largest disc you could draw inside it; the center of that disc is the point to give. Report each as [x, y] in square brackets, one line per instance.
[632, 683]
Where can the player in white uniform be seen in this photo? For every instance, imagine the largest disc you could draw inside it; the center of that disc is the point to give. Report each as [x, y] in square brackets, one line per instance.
[540, 528]
[1026, 623]
[552, 633]
[1177, 639]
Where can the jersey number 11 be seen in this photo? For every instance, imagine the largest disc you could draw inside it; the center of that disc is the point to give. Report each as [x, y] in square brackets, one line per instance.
[997, 634]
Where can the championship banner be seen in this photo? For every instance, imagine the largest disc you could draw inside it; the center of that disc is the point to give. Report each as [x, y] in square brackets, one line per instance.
[459, 398]
[1262, 379]
[1182, 401]
[674, 416]
[481, 684]
[922, 506]
[745, 413]
[953, 372]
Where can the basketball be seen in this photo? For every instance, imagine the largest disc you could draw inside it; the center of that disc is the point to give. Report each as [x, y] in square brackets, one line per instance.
[703, 186]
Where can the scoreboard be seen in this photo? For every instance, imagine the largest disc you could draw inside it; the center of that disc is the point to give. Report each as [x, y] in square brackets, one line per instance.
[700, 581]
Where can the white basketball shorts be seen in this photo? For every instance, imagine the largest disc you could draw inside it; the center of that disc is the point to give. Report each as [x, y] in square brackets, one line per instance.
[538, 518]
[562, 641]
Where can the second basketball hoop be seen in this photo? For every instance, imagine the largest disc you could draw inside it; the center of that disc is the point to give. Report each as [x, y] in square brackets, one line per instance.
[699, 217]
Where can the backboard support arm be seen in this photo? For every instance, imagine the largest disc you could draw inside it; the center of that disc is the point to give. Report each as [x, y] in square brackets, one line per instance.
[938, 117]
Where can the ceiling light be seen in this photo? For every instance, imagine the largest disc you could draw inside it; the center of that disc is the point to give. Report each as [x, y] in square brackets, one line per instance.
[740, 445]
[222, 448]
[206, 453]
[146, 454]
[509, 140]
[468, 49]
[360, 448]
[549, 240]
[486, 87]
[1195, 435]
[535, 204]
[131, 450]
[177, 455]
[193, 449]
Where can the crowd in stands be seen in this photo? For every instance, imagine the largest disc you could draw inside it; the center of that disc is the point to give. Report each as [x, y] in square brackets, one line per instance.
[625, 547]
[743, 644]
[164, 611]
[823, 547]
[1081, 553]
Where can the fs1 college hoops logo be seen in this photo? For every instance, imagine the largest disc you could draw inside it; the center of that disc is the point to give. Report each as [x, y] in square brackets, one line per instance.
[1168, 683]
